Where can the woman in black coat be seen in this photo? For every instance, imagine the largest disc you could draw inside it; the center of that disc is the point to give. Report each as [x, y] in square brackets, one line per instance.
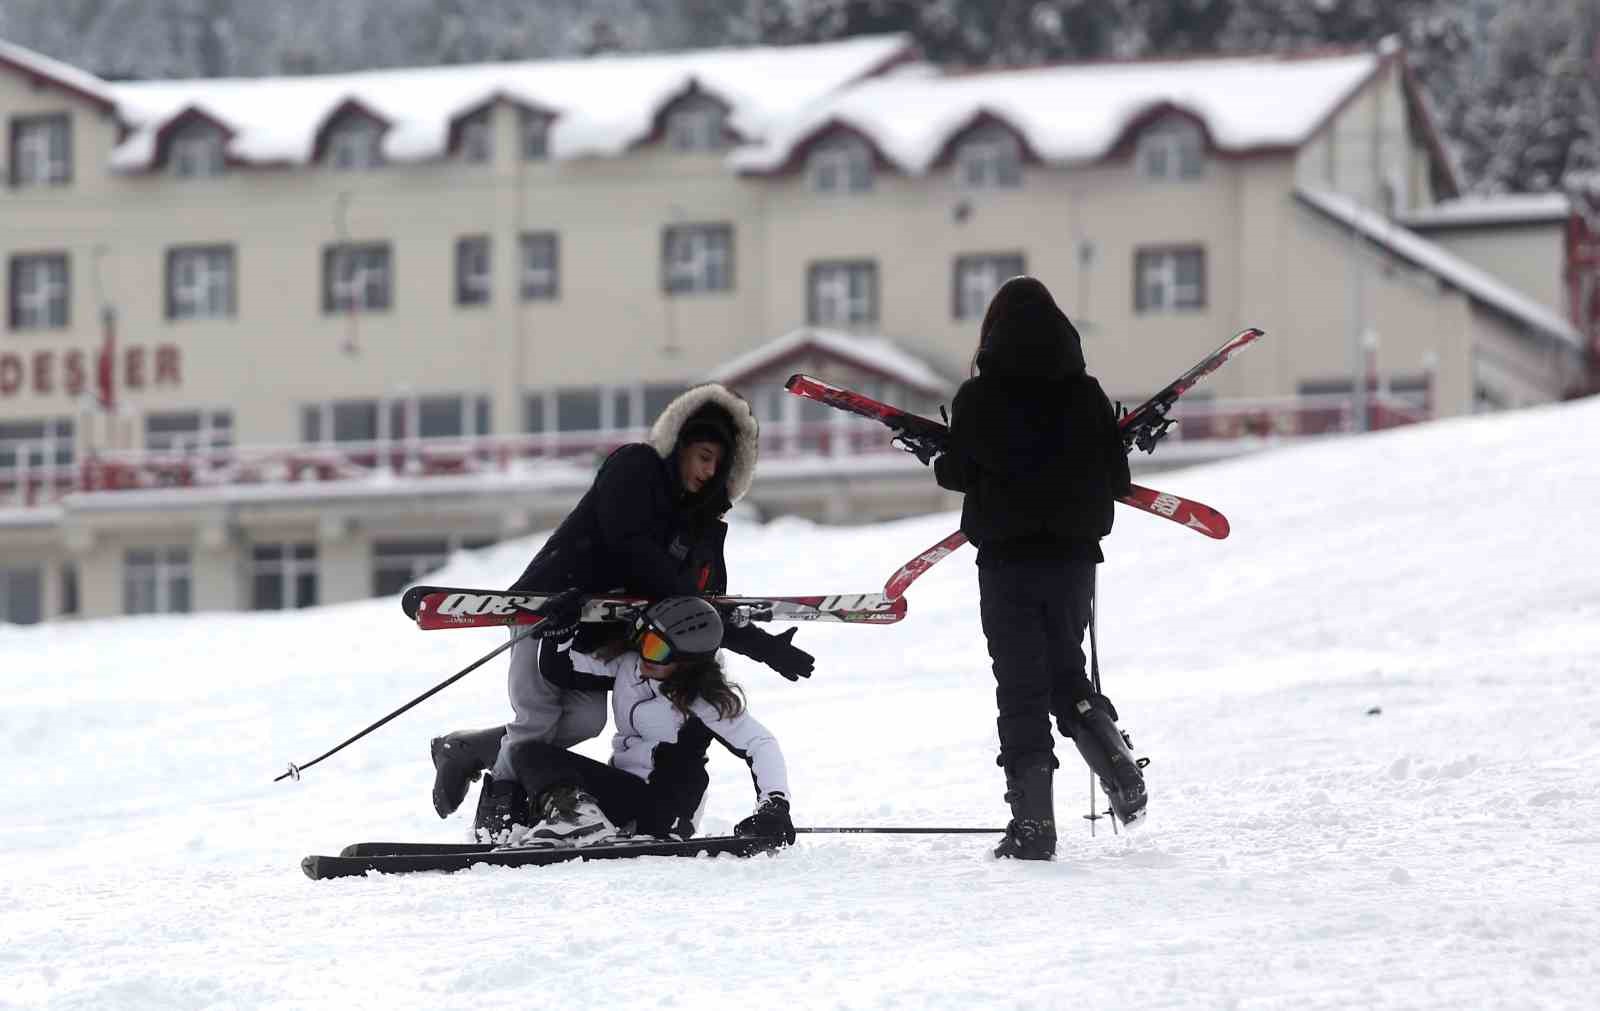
[1035, 448]
[650, 525]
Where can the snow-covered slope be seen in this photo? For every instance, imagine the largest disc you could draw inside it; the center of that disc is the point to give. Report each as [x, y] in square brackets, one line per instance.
[1304, 850]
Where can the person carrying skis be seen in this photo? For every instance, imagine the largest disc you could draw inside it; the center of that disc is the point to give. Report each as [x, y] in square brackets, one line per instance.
[669, 698]
[1034, 446]
[650, 525]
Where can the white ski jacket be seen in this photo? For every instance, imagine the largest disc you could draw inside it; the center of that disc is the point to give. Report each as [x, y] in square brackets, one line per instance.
[647, 720]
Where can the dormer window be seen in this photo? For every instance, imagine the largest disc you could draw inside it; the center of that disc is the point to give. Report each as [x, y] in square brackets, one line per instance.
[352, 144]
[535, 130]
[476, 138]
[697, 124]
[41, 150]
[1172, 149]
[195, 151]
[990, 158]
[841, 165]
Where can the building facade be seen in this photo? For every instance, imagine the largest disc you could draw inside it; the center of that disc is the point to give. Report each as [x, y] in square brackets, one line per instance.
[280, 342]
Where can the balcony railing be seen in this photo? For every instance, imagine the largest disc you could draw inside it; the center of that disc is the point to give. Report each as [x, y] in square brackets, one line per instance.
[1224, 425]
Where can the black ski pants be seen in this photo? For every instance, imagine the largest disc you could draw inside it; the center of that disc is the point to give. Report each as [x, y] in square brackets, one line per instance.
[1034, 615]
[623, 796]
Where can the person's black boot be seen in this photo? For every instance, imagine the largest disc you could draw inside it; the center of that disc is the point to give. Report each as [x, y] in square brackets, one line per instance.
[1107, 754]
[458, 758]
[1031, 834]
[502, 806]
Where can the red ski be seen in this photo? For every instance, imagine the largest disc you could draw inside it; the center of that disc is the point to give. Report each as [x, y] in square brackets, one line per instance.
[436, 607]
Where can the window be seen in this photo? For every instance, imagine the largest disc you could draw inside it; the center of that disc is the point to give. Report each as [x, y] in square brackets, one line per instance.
[474, 270]
[355, 277]
[440, 417]
[196, 151]
[578, 410]
[41, 150]
[186, 431]
[841, 165]
[283, 576]
[697, 258]
[397, 564]
[977, 278]
[41, 293]
[156, 581]
[200, 282]
[842, 293]
[541, 266]
[1166, 279]
[1171, 149]
[33, 444]
[656, 398]
[21, 595]
[476, 138]
[697, 123]
[990, 158]
[535, 130]
[534, 408]
[353, 144]
[69, 590]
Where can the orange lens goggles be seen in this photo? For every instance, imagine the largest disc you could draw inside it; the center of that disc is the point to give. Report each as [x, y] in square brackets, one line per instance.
[654, 647]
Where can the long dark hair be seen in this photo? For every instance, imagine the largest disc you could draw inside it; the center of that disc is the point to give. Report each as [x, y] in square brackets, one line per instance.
[1025, 334]
[703, 678]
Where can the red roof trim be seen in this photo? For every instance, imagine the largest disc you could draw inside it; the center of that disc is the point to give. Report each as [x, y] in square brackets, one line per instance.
[40, 79]
[190, 114]
[832, 127]
[978, 121]
[658, 122]
[345, 109]
[453, 140]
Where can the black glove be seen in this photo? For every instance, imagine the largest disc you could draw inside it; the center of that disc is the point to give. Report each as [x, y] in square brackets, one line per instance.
[771, 820]
[776, 651]
[562, 613]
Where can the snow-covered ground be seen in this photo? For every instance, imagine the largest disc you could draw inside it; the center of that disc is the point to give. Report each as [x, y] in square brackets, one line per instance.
[1305, 850]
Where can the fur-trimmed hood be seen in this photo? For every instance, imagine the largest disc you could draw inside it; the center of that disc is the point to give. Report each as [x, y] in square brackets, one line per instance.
[747, 431]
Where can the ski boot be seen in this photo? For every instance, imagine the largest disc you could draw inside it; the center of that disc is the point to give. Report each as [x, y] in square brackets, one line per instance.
[503, 811]
[1107, 753]
[1031, 833]
[458, 759]
[569, 816]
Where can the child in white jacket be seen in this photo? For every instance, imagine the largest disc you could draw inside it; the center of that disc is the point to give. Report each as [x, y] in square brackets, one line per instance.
[669, 700]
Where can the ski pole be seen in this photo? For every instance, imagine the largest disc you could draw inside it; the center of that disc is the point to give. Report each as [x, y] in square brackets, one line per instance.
[1094, 670]
[521, 633]
[874, 830]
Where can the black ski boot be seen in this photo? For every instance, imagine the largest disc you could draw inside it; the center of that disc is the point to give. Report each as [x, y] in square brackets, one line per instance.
[1107, 753]
[502, 806]
[1031, 834]
[458, 758]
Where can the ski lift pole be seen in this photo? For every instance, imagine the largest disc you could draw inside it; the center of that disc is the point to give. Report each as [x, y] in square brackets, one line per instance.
[294, 770]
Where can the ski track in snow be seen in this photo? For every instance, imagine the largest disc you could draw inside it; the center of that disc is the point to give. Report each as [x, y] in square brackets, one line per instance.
[1301, 852]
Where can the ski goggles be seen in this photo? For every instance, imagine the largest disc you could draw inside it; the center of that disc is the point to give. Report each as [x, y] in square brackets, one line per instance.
[654, 647]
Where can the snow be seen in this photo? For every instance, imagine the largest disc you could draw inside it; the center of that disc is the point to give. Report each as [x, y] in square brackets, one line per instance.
[1508, 208]
[1478, 283]
[602, 104]
[1078, 112]
[54, 70]
[879, 354]
[1301, 852]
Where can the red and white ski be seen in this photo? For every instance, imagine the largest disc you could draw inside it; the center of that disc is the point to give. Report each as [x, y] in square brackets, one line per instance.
[436, 607]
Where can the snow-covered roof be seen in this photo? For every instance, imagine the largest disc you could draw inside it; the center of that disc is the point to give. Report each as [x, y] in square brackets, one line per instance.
[1504, 209]
[1078, 112]
[601, 105]
[876, 354]
[1476, 283]
[43, 69]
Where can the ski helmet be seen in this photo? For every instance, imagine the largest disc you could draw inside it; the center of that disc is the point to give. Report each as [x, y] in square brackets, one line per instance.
[689, 626]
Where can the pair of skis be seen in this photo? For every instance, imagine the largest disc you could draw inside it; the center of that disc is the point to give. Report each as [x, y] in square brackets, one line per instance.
[440, 607]
[360, 859]
[1141, 428]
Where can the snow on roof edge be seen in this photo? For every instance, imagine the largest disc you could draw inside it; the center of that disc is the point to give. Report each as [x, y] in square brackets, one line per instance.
[1435, 258]
[878, 353]
[63, 74]
[1508, 208]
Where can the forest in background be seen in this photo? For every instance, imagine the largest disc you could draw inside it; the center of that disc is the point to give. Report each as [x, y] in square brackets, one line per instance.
[1515, 87]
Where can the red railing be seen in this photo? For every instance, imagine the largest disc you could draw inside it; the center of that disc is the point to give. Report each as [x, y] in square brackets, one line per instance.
[1220, 423]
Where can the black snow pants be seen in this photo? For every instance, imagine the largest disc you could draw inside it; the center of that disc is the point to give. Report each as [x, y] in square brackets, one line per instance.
[1034, 614]
[623, 796]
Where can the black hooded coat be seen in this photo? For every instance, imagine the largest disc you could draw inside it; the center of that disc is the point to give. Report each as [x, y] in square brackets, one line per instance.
[1033, 438]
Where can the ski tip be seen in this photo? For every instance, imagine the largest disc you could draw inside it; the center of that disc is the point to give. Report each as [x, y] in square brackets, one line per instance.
[794, 379]
[311, 866]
